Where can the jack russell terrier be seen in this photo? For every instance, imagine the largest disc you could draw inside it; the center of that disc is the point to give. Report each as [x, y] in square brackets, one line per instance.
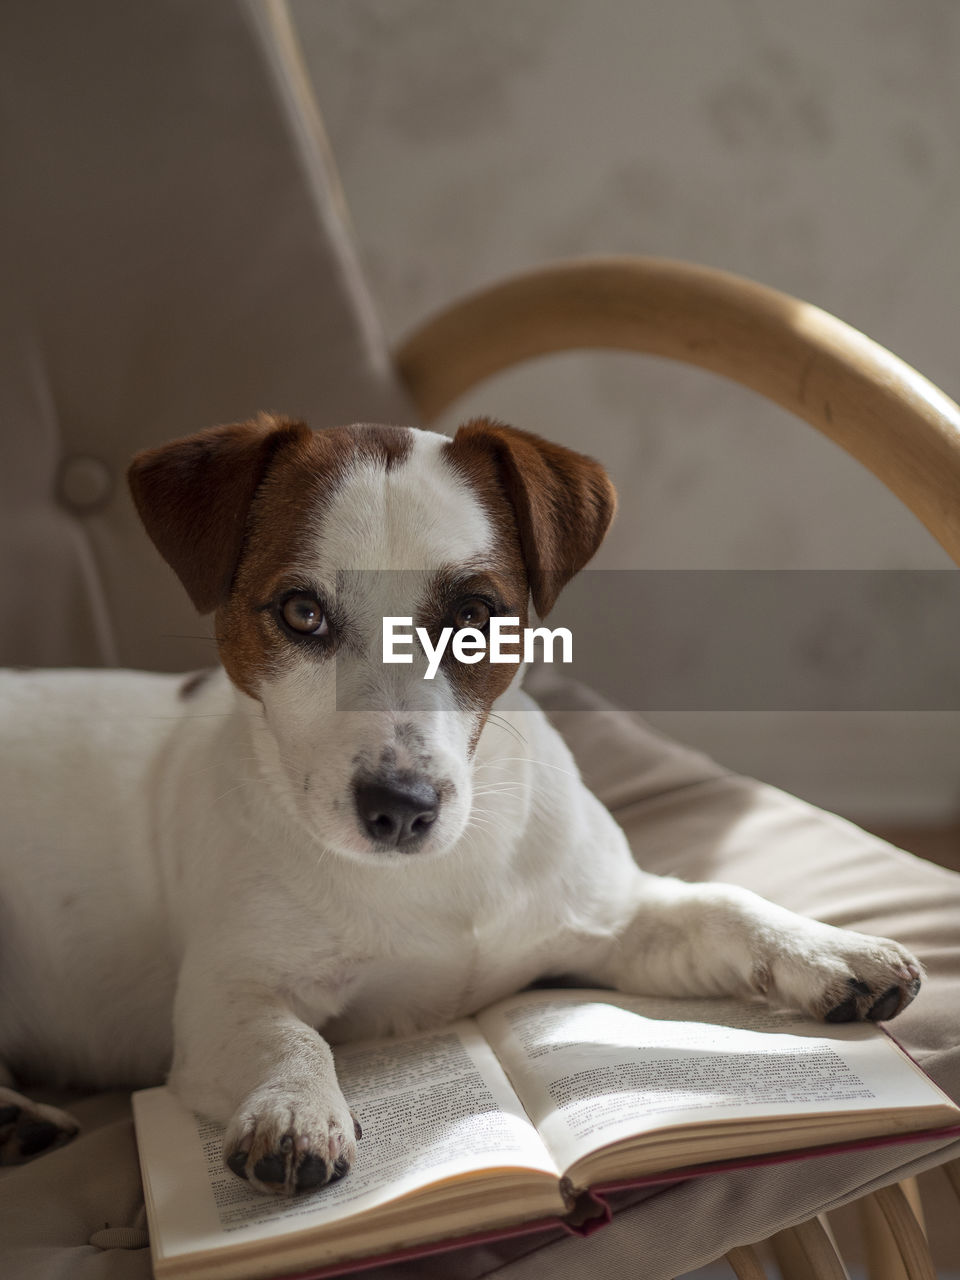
[215, 878]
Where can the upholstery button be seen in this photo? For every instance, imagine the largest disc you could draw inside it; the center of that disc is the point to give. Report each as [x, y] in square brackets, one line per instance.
[84, 483]
[120, 1238]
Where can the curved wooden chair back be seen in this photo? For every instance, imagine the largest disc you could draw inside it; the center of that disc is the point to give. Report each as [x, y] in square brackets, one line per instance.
[884, 413]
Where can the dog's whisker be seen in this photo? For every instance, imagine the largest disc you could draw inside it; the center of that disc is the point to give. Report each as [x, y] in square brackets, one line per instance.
[207, 768]
[478, 809]
[476, 820]
[264, 778]
[490, 819]
[230, 790]
[499, 722]
[546, 764]
[471, 837]
[492, 815]
[485, 827]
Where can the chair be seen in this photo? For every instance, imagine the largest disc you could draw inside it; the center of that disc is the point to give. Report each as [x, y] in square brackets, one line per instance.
[224, 281]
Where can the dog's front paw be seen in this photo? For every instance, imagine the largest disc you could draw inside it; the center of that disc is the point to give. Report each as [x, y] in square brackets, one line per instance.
[843, 976]
[284, 1140]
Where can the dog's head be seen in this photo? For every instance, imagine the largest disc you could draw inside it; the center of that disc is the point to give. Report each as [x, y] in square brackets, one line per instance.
[302, 542]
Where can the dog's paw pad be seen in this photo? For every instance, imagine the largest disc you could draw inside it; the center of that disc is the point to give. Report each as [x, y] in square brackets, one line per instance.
[888, 991]
[271, 1169]
[876, 1001]
[888, 1006]
[843, 976]
[285, 1149]
[846, 1012]
[849, 1009]
[289, 1169]
[311, 1173]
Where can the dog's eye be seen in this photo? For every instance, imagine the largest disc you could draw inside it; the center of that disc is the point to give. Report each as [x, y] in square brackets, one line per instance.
[302, 613]
[472, 613]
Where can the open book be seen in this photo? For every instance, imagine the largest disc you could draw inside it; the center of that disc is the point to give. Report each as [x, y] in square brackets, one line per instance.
[507, 1119]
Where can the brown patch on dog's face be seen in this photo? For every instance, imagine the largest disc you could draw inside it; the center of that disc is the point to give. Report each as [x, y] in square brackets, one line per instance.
[227, 508]
[193, 496]
[550, 507]
[553, 504]
[286, 510]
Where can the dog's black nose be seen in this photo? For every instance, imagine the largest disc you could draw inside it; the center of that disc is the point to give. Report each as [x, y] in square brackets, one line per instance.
[395, 813]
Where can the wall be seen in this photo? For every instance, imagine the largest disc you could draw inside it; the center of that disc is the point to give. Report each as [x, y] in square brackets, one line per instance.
[813, 147]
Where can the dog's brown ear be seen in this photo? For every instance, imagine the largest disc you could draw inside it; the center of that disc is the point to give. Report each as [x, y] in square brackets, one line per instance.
[194, 497]
[564, 502]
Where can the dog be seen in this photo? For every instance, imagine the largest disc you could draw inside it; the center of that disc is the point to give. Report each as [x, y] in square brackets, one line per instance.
[217, 878]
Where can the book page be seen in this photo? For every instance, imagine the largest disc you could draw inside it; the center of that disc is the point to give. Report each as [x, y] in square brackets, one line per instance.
[595, 1067]
[432, 1106]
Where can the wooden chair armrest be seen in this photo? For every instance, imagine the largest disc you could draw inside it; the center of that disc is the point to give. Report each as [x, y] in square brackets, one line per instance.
[875, 406]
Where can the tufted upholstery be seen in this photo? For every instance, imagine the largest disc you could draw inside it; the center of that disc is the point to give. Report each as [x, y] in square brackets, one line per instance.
[174, 253]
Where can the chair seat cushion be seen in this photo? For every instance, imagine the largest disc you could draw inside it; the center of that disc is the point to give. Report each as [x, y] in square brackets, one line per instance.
[686, 816]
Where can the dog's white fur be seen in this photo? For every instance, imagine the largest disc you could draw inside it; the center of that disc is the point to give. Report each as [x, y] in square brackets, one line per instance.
[185, 882]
